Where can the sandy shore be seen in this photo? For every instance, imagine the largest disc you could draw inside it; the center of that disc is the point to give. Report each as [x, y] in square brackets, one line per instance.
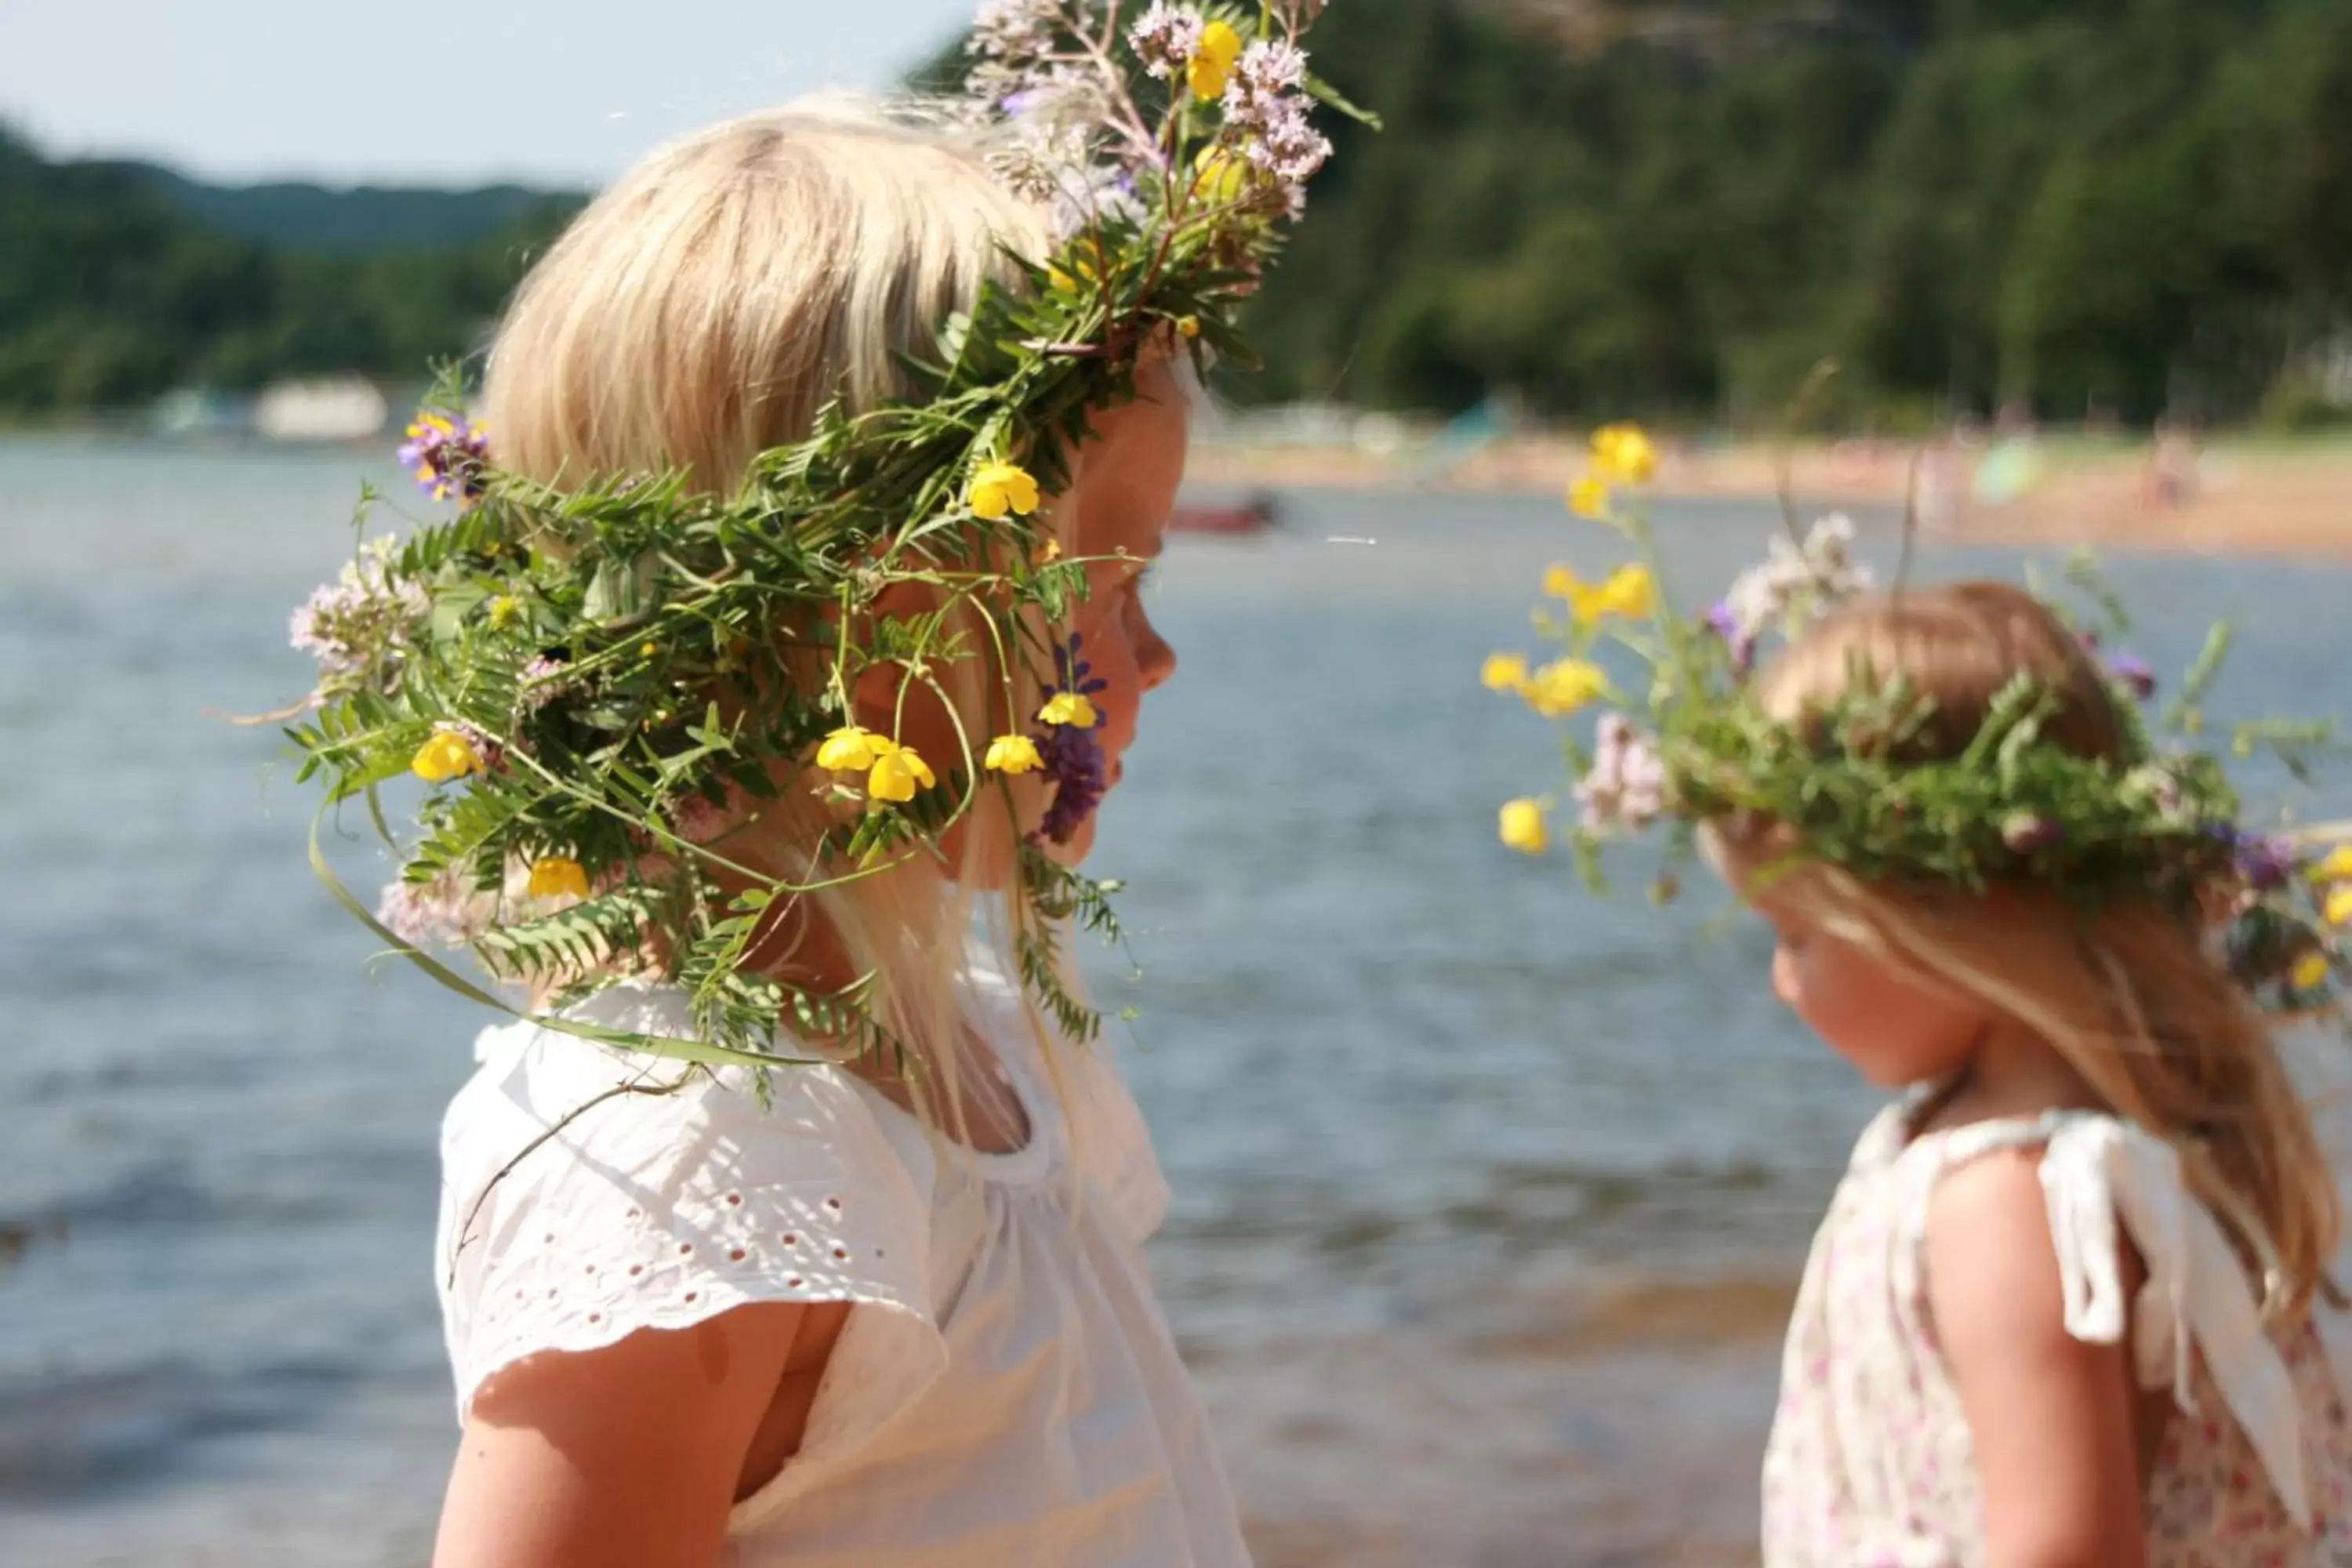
[2246, 497]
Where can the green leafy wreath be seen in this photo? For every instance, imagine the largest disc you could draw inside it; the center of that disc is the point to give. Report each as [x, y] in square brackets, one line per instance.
[2164, 821]
[587, 677]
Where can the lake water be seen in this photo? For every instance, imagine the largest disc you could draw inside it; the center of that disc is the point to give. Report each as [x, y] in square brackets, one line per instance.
[1490, 1195]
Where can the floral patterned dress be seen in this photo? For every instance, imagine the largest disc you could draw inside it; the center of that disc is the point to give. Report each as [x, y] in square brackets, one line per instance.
[1869, 1464]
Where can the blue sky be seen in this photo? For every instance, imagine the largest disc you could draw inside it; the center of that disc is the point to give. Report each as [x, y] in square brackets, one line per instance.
[549, 92]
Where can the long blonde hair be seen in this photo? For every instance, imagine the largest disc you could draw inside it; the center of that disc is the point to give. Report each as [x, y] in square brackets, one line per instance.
[2128, 993]
[702, 310]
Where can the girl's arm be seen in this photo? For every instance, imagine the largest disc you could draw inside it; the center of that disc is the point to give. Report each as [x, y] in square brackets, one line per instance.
[627, 1457]
[2052, 1418]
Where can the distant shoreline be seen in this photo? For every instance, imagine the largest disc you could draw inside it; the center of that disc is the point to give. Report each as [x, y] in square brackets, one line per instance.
[2243, 495]
[2240, 495]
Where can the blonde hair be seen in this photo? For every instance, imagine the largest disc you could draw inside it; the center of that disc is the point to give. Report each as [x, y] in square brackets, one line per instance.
[702, 312]
[2127, 993]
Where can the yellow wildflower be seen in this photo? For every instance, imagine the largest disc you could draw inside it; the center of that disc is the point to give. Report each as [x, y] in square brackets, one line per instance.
[1589, 497]
[1564, 687]
[1220, 174]
[2339, 908]
[898, 774]
[1052, 552]
[1629, 592]
[1213, 67]
[1070, 708]
[1523, 826]
[1624, 453]
[2311, 970]
[1587, 600]
[558, 878]
[1003, 489]
[447, 755]
[2336, 868]
[1503, 672]
[647, 650]
[1088, 275]
[850, 749]
[1013, 754]
[1189, 326]
[505, 610]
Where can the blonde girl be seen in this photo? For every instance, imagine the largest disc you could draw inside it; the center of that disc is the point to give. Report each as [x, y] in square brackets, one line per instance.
[2061, 1309]
[875, 1313]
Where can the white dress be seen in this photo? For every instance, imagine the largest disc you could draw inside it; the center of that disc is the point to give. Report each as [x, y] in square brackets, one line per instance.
[1006, 1392]
[1870, 1463]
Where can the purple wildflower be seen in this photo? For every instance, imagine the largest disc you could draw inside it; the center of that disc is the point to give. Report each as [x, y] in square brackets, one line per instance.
[1626, 787]
[1073, 759]
[1074, 671]
[2133, 675]
[1723, 623]
[1053, 113]
[1075, 763]
[450, 455]
[1012, 46]
[2266, 864]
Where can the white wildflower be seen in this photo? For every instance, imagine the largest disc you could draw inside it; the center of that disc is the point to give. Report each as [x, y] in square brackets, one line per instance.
[1014, 29]
[1796, 584]
[446, 912]
[1166, 38]
[366, 609]
[1626, 787]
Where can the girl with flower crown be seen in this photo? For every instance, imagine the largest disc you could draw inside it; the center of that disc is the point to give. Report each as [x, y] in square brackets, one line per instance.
[2060, 1310]
[867, 1312]
[790, 631]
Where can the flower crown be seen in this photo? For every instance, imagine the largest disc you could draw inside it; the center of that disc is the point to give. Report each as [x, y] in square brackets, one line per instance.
[546, 661]
[1686, 745]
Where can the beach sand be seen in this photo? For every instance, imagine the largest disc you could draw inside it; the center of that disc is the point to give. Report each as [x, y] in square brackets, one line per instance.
[2271, 498]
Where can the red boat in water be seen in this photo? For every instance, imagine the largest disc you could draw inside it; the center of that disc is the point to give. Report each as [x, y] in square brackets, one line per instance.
[1255, 515]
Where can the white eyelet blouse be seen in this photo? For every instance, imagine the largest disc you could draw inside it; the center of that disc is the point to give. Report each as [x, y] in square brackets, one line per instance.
[1006, 1392]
